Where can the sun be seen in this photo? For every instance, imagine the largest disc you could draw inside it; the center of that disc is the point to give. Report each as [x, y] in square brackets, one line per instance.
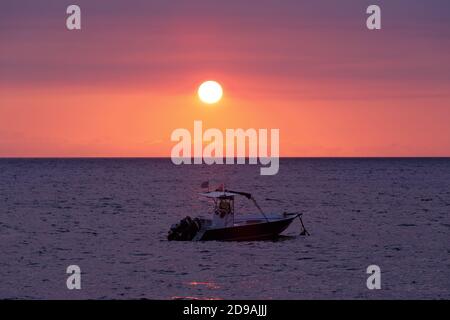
[210, 92]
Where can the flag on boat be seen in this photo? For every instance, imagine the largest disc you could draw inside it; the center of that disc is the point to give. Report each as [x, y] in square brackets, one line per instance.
[205, 184]
[221, 187]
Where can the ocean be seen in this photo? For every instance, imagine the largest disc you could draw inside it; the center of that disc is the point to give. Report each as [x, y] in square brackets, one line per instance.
[111, 217]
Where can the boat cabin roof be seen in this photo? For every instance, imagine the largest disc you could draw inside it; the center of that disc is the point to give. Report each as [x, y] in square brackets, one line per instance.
[226, 194]
[218, 194]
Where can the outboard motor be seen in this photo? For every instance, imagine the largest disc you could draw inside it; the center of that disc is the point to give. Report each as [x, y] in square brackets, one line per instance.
[185, 230]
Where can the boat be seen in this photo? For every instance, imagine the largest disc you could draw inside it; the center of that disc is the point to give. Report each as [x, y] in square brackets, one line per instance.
[225, 226]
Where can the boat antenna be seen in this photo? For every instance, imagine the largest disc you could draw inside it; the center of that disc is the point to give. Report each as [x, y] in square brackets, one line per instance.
[259, 208]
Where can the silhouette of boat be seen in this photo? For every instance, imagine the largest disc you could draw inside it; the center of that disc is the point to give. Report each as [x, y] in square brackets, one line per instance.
[225, 226]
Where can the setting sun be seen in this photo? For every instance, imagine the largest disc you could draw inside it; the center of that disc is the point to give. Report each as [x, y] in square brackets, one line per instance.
[210, 92]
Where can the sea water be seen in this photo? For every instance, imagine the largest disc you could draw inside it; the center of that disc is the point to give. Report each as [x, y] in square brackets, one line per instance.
[111, 216]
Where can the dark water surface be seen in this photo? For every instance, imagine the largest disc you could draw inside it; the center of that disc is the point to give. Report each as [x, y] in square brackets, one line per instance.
[111, 216]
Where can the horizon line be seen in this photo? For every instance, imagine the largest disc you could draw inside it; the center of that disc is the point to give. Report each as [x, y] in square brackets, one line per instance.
[282, 157]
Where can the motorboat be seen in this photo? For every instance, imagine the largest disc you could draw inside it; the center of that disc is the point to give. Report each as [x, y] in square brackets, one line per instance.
[226, 226]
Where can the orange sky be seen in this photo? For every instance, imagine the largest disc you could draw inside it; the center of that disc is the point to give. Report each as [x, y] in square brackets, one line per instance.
[122, 84]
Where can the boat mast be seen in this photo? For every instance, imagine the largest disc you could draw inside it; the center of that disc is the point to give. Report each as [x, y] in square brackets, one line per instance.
[259, 208]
